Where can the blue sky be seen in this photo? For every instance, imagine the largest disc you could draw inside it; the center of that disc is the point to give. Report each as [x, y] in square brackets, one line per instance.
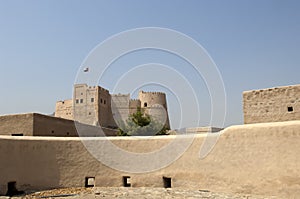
[255, 44]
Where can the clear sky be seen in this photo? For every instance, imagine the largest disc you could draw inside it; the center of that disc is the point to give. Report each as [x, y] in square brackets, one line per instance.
[255, 44]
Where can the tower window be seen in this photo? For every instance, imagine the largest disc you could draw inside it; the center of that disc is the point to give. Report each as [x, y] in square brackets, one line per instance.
[290, 109]
[101, 100]
[145, 104]
[104, 101]
[92, 99]
[77, 101]
[81, 100]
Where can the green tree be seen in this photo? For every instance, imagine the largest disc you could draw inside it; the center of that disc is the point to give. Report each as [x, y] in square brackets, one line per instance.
[142, 124]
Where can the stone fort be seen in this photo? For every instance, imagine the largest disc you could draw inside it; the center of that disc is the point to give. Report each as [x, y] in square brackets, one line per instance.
[259, 157]
[94, 105]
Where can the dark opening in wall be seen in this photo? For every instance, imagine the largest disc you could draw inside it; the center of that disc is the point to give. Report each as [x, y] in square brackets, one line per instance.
[167, 182]
[145, 104]
[92, 99]
[290, 109]
[52, 131]
[81, 101]
[77, 101]
[12, 189]
[17, 134]
[89, 181]
[126, 181]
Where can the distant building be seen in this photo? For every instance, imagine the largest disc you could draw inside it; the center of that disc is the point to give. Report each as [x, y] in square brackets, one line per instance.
[272, 105]
[94, 105]
[200, 130]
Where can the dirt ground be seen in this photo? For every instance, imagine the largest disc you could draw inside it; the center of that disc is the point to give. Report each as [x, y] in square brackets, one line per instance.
[134, 193]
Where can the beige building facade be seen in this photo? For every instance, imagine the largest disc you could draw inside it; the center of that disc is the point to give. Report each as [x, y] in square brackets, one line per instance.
[272, 104]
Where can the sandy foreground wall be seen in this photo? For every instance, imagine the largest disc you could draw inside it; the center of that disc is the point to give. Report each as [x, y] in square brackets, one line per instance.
[254, 159]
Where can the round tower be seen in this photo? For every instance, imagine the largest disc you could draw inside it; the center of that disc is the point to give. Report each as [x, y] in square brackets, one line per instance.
[155, 104]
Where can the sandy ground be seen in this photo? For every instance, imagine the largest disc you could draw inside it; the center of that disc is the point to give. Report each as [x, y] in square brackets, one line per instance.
[134, 193]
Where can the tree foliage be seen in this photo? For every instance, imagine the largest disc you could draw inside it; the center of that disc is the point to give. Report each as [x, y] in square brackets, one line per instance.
[142, 124]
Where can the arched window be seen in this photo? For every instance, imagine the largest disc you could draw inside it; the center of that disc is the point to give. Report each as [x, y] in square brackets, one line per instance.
[145, 104]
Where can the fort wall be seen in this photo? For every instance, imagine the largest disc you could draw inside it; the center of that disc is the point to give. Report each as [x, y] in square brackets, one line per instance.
[19, 124]
[134, 104]
[34, 124]
[120, 108]
[105, 116]
[249, 159]
[272, 105]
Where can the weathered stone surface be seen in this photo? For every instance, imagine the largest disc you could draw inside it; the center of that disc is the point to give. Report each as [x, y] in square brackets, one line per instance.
[272, 105]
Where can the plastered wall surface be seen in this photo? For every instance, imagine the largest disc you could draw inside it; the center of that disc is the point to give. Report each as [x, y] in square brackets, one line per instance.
[255, 159]
[34, 124]
[16, 124]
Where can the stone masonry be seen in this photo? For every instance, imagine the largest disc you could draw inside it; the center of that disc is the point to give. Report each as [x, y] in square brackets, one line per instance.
[272, 105]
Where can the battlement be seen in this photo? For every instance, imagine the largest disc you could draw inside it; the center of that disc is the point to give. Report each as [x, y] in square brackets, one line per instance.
[135, 100]
[281, 88]
[64, 101]
[120, 95]
[103, 89]
[87, 87]
[152, 93]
